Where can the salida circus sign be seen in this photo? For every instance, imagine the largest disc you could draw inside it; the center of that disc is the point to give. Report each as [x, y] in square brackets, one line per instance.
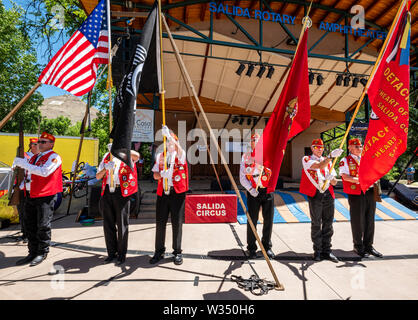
[206, 208]
[238, 11]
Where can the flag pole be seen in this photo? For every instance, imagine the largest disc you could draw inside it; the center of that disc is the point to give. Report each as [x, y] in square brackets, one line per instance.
[109, 87]
[367, 85]
[83, 124]
[19, 105]
[278, 285]
[162, 93]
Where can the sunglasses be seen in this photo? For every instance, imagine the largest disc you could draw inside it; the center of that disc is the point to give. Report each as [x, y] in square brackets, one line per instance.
[358, 147]
[43, 141]
[316, 147]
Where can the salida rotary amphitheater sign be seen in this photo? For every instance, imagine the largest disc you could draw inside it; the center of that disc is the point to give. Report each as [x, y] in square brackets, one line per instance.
[271, 16]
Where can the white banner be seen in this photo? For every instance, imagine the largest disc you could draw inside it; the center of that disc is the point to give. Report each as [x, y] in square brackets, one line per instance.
[144, 126]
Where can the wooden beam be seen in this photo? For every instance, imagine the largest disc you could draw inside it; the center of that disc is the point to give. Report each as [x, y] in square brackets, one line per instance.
[203, 9]
[210, 106]
[324, 114]
[186, 14]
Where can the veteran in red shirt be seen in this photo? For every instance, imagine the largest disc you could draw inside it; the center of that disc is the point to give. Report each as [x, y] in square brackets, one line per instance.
[316, 172]
[114, 204]
[45, 183]
[173, 182]
[362, 205]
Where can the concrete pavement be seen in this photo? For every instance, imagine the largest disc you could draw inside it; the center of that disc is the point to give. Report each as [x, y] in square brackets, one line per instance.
[212, 253]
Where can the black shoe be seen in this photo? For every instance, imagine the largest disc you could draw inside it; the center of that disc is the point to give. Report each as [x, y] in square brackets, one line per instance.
[109, 259]
[329, 256]
[178, 259]
[317, 256]
[157, 257]
[121, 260]
[270, 254]
[25, 260]
[38, 259]
[373, 252]
[359, 252]
[252, 254]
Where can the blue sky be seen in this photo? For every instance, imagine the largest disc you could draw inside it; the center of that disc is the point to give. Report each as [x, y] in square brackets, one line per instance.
[46, 90]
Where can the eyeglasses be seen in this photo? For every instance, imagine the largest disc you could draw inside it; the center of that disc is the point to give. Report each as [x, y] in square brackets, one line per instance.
[43, 141]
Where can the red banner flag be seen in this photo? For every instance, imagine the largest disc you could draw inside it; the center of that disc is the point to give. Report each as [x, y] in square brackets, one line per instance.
[291, 115]
[389, 97]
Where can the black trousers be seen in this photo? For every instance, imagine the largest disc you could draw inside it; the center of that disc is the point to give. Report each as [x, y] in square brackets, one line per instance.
[169, 204]
[115, 211]
[37, 218]
[321, 208]
[362, 212]
[21, 211]
[266, 202]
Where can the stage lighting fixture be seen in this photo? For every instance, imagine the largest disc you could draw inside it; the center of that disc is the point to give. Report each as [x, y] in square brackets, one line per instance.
[346, 81]
[241, 120]
[240, 69]
[339, 80]
[356, 80]
[261, 71]
[266, 120]
[363, 81]
[270, 72]
[311, 77]
[319, 80]
[248, 121]
[250, 70]
[234, 119]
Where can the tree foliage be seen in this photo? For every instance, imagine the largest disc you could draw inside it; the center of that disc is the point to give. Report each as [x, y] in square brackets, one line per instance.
[18, 71]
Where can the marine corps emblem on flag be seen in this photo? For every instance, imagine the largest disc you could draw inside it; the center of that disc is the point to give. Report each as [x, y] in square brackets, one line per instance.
[291, 111]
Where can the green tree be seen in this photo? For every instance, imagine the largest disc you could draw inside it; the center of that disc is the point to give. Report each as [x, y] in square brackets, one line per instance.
[18, 71]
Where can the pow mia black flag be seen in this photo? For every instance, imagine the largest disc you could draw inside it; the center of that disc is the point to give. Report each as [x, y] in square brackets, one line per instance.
[144, 76]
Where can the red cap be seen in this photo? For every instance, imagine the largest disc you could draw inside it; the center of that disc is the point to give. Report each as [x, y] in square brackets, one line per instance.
[46, 135]
[33, 140]
[318, 142]
[354, 142]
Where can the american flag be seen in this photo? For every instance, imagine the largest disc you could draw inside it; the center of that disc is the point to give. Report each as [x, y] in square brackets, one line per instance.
[74, 66]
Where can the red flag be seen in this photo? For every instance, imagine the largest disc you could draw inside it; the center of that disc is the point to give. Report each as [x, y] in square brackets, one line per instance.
[389, 97]
[291, 115]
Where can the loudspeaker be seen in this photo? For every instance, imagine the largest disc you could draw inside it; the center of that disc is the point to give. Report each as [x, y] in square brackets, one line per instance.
[94, 197]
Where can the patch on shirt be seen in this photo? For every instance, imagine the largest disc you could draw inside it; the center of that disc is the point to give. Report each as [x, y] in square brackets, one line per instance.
[341, 163]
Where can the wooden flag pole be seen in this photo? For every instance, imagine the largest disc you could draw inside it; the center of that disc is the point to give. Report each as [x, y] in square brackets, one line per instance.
[19, 105]
[366, 87]
[109, 87]
[162, 94]
[278, 285]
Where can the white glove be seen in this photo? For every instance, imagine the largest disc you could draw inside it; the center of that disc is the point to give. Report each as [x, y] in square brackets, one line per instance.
[253, 192]
[110, 165]
[166, 132]
[329, 177]
[336, 153]
[18, 162]
[165, 174]
[109, 146]
[357, 180]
